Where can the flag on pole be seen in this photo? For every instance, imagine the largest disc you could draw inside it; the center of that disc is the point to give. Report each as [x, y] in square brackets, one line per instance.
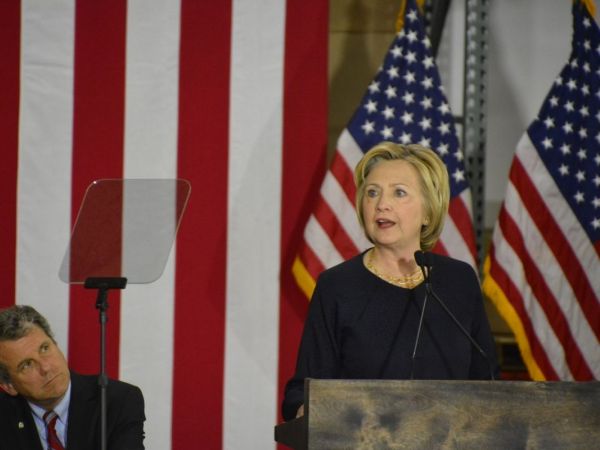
[230, 95]
[542, 271]
[404, 103]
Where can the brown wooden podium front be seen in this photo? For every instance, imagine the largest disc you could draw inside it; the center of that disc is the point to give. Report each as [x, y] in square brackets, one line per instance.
[420, 414]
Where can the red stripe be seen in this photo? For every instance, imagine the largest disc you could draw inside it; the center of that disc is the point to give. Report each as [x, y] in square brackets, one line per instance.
[514, 295]
[344, 175]
[199, 340]
[98, 125]
[460, 215]
[312, 263]
[440, 248]
[10, 48]
[545, 298]
[334, 229]
[304, 156]
[559, 244]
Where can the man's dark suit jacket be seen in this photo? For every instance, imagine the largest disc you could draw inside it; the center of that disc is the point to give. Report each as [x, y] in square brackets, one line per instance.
[125, 418]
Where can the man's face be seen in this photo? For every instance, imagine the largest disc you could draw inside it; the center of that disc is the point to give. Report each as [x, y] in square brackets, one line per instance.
[38, 370]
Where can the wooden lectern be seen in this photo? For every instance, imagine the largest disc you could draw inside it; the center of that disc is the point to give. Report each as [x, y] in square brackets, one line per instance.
[420, 414]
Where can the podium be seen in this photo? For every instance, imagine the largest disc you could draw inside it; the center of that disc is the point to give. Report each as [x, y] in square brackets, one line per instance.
[423, 414]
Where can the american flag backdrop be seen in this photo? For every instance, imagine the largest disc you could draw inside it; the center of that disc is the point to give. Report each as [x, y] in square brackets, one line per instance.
[404, 103]
[543, 270]
[230, 95]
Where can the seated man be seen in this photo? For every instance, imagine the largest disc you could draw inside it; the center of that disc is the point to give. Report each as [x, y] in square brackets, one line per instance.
[47, 407]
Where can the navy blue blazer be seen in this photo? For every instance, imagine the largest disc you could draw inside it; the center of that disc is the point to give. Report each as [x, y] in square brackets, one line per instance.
[125, 418]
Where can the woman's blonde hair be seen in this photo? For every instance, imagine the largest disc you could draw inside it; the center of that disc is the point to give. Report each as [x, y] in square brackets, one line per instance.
[433, 176]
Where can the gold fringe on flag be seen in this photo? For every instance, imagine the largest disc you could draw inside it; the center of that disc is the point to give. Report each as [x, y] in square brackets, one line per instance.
[400, 19]
[591, 7]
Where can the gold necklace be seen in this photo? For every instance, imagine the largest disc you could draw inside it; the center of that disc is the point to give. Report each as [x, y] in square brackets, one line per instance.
[407, 282]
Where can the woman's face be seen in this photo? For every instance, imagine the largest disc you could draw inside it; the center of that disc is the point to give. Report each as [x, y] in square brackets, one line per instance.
[393, 205]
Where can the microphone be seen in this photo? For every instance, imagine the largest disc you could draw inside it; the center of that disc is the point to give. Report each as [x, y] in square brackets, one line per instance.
[425, 262]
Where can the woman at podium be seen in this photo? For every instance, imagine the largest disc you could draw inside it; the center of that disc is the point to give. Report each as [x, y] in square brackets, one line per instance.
[381, 315]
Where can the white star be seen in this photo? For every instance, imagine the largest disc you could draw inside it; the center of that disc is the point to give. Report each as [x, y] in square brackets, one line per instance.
[368, 127]
[426, 103]
[596, 202]
[405, 138]
[396, 51]
[407, 118]
[458, 175]
[586, 44]
[374, 87]
[597, 180]
[584, 111]
[554, 101]
[595, 223]
[426, 42]
[443, 150]
[565, 149]
[408, 97]
[425, 142]
[571, 84]
[458, 155]
[387, 132]
[579, 197]
[585, 89]
[547, 143]
[569, 106]
[582, 133]
[412, 15]
[425, 123]
[582, 154]
[410, 57]
[597, 159]
[428, 62]
[564, 170]
[586, 67]
[427, 83]
[393, 72]
[573, 63]
[568, 127]
[371, 106]
[390, 92]
[549, 122]
[580, 175]
[559, 81]
[444, 108]
[412, 36]
[444, 128]
[388, 113]
[409, 77]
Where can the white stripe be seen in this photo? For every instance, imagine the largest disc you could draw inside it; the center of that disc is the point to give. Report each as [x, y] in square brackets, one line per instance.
[44, 172]
[336, 198]
[146, 357]
[455, 243]
[253, 229]
[320, 243]
[556, 281]
[561, 212]
[349, 150]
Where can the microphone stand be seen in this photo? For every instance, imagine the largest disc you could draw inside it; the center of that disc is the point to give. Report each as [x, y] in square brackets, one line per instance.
[103, 284]
[425, 271]
[424, 261]
[463, 330]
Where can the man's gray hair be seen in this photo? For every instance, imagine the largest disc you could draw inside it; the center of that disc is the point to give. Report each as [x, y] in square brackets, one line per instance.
[16, 322]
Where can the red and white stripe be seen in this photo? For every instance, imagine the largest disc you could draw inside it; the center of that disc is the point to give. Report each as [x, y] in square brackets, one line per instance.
[231, 96]
[543, 262]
